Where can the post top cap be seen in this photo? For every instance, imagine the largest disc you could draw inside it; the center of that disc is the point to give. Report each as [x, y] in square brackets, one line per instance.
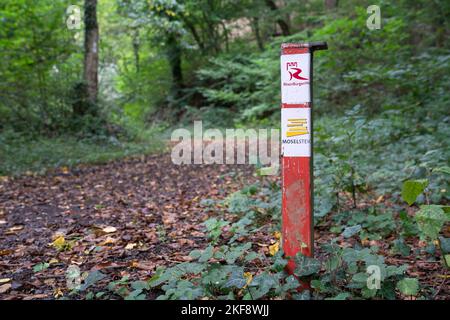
[313, 46]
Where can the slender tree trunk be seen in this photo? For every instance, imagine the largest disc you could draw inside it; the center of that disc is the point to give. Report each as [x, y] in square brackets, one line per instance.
[211, 33]
[195, 34]
[331, 4]
[136, 46]
[256, 30]
[283, 24]
[225, 33]
[91, 50]
[174, 57]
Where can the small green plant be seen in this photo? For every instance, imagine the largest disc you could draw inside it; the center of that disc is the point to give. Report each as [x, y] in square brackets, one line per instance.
[372, 223]
[161, 233]
[213, 272]
[430, 218]
[408, 286]
[214, 228]
[347, 274]
[41, 266]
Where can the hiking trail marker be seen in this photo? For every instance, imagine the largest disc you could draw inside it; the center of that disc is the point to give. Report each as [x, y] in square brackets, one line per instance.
[296, 148]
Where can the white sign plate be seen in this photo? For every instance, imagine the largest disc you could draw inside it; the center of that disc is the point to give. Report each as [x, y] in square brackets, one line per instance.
[295, 78]
[296, 132]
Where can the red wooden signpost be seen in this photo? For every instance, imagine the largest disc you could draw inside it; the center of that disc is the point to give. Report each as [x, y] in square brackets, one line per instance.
[296, 147]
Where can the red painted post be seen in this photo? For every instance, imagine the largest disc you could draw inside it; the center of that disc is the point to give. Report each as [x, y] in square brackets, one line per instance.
[296, 148]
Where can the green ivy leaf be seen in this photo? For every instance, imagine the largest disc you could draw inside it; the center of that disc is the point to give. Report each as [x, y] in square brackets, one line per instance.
[336, 229]
[247, 296]
[135, 295]
[351, 231]
[333, 263]
[447, 260]
[305, 295]
[237, 280]
[340, 296]
[430, 219]
[400, 247]
[306, 266]
[238, 202]
[368, 293]
[412, 189]
[323, 205]
[408, 286]
[91, 279]
[140, 285]
[291, 283]
[396, 271]
[206, 254]
[444, 169]
[252, 256]
[262, 284]
[360, 277]
[235, 252]
[279, 263]
[195, 254]
[176, 272]
[444, 243]
[41, 266]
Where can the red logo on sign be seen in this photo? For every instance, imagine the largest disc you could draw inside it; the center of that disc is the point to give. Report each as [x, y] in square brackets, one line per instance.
[294, 72]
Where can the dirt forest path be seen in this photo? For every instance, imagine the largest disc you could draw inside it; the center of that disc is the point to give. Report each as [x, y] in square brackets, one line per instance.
[124, 218]
[128, 217]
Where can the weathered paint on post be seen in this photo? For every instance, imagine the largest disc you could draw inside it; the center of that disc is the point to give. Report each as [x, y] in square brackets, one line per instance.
[296, 148]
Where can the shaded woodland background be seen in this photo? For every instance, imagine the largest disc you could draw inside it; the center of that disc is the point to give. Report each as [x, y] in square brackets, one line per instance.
[134, 70]
[165, 62]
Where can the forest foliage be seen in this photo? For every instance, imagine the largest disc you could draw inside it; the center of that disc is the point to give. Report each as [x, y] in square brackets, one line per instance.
[166, 63]
[166, 60]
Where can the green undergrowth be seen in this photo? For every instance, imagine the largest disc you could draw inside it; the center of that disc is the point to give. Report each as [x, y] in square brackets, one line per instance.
[233, 266]
[21, 154]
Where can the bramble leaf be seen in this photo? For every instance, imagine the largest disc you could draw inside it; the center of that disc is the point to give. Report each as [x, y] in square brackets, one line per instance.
[412, 189]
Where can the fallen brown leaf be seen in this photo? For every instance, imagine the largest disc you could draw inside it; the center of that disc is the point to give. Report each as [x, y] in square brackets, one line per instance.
[4, 288]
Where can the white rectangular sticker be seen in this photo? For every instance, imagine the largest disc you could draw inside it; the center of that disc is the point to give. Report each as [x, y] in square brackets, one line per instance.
[296, 132]
[295, 78]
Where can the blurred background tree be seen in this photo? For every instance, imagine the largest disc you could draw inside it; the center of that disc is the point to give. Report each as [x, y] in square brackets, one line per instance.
[142, 64]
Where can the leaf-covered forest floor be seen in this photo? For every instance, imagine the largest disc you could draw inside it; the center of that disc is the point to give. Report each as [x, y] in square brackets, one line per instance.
[127, 217]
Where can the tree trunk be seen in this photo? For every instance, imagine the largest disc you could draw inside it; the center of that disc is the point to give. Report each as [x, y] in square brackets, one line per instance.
[91, 50]
[194, 33]
[331, 4]
[283, 24]
[225, 33]
[174, 57]
[211, 33]
[256, 30]
[136, 47]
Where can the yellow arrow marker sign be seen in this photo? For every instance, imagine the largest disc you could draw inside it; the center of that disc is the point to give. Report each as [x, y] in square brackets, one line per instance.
[296, 127]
